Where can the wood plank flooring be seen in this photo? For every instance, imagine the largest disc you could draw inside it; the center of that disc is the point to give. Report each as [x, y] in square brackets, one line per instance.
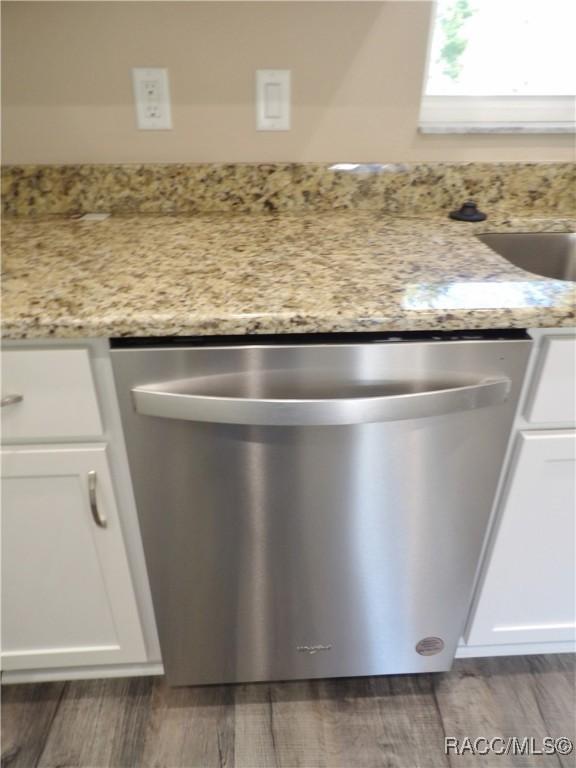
[381, 722]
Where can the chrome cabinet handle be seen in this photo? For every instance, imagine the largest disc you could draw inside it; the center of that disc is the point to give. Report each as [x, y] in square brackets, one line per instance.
[10, 400]
[158, 400]
[99, 518]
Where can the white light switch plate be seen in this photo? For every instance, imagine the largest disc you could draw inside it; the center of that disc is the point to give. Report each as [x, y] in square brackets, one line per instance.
[152, 99]
[273, 99]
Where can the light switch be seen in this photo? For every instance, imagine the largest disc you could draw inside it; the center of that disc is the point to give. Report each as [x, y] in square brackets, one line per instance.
[152, 99]
[273, 99]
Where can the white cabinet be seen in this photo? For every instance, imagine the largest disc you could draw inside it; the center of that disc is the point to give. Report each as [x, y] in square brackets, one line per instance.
[75, 596]
[58, 397]
[528, 593]
[525, 599]
[67, 593]
[552, 394]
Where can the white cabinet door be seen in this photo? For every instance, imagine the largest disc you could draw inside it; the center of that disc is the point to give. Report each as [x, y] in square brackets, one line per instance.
[67, 595]
[528, 594]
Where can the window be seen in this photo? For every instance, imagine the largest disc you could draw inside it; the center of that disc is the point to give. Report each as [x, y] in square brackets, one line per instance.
[501, 66]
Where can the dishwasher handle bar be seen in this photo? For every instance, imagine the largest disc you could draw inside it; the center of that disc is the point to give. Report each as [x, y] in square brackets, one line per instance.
[155, 401]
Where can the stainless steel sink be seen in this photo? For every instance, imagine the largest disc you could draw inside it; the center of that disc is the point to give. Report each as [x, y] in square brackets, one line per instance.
[551, 254]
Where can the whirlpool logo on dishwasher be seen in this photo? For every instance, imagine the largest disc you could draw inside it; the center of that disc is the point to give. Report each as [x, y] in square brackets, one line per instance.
[312, 649]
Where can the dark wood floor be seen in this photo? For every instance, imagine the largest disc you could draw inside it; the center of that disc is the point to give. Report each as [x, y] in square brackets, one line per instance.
[388, 722]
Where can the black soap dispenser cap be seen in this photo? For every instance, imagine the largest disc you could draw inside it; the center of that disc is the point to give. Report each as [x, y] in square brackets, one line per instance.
[468, 212]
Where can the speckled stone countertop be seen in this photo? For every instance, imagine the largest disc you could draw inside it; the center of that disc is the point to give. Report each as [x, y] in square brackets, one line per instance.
[198, 188]
[316, 272]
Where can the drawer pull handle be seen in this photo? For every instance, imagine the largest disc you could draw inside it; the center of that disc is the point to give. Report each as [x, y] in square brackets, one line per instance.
[10, 400]
[99, 518]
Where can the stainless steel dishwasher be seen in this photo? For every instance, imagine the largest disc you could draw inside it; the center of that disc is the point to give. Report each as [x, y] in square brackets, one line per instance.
[315, 509]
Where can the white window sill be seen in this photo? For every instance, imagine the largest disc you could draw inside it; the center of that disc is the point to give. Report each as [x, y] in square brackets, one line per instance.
[528, 127]
[498, 114]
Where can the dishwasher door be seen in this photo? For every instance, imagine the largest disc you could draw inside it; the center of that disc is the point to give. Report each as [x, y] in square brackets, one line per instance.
[314, 510]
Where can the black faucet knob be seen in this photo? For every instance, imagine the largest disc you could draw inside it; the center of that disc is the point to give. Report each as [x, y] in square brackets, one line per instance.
[468, 212]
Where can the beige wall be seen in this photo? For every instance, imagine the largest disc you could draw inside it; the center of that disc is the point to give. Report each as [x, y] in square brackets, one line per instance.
[357, 73]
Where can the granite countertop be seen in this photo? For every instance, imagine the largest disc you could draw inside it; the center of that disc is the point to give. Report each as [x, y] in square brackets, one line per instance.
[311, 272]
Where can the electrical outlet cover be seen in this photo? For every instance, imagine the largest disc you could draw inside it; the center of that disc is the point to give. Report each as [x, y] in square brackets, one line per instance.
[152, 99]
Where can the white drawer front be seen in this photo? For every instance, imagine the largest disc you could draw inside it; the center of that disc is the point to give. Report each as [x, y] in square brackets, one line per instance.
[58, 395]
[552, 398]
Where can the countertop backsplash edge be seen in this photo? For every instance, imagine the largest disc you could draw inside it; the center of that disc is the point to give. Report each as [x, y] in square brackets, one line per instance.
[197, 188]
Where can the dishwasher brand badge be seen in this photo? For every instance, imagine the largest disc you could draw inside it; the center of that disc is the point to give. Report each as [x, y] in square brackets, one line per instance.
[429, 646]
[312, 649]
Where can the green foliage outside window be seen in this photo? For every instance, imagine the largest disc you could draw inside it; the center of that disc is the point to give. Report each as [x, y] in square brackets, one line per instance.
[452, 21]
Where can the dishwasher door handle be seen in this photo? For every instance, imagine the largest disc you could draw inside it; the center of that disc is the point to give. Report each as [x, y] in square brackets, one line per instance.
[155, 401]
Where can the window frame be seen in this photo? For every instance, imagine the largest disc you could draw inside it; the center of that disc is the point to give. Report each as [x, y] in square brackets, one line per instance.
[492, 114]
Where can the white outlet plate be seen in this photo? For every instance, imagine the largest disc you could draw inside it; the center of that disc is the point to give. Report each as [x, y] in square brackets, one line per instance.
[152, 99]
[273, 99]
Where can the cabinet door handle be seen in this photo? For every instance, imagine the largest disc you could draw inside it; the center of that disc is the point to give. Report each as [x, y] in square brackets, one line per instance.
[99, 518]
[10, 400]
